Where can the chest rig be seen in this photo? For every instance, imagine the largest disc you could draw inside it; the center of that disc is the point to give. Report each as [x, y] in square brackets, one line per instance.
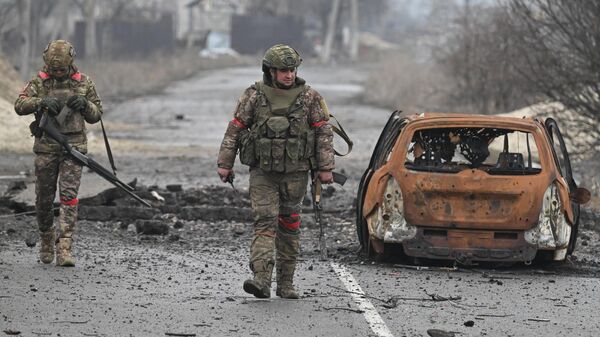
[280, 139]
[68, 121]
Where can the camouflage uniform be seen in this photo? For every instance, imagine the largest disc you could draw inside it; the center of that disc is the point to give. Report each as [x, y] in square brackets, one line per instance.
[52, 164]
[278, 171]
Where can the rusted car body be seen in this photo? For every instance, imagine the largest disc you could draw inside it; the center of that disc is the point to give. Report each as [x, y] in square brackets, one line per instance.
[470, 188]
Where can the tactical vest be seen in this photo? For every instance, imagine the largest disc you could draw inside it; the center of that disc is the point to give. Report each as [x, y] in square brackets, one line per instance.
[70, 123]
[280, 139]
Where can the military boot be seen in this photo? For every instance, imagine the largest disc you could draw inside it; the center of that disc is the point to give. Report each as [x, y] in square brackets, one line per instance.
[260, 285]
[288, 248]
[47, 239]
[66, 220]
[285, 280]
[63, 253]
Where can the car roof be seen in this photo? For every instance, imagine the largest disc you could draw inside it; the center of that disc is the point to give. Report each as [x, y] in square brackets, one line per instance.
[433, 118]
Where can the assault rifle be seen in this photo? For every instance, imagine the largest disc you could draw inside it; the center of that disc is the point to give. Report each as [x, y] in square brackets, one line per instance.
[316, 189]
[48, 126]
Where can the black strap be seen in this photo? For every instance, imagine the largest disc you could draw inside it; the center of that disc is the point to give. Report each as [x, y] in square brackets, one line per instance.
[342, 133]
[108, 151]
[505, 143]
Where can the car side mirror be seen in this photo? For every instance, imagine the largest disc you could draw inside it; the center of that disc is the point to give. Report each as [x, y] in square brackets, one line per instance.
[581, 195]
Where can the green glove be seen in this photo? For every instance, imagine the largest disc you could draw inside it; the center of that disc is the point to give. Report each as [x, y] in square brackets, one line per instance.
[77, 103]
[51, 105]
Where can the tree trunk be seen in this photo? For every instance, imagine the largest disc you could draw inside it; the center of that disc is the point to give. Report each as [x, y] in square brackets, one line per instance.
[91, 47]
[60, 25]
[354, 33]
[326, 54]
[190, 28]
[25, 23]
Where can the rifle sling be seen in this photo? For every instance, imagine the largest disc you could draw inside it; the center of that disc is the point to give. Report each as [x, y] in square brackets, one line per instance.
[342, 133]
[108, 151]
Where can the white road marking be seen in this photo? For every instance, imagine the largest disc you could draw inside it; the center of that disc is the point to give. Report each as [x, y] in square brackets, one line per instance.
[375, 321]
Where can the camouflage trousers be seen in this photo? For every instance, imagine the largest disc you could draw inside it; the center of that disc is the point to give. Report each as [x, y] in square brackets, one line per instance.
[276, 206]
[51, 168]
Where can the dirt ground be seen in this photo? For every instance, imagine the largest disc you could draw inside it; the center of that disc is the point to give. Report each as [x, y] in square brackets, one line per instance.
[189, 278]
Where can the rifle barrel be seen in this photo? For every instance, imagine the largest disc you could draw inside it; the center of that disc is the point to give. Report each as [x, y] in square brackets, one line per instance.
[48, 126]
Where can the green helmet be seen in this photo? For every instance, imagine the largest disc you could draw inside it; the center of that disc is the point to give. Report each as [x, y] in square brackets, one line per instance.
[281, 56]
[58, 54]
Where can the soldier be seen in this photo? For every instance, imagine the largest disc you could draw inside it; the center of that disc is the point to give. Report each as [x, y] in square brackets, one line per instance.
[280, 128]
[70, 97]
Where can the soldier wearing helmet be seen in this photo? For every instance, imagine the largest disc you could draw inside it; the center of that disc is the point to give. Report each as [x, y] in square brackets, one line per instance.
[280, 128]
[69, 96]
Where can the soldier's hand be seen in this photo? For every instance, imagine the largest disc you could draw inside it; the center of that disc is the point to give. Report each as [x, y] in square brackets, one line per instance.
[224, 173]
[51, 105]
[77, 103]
[326, 177]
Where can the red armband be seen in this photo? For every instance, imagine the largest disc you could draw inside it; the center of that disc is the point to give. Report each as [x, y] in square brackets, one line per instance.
[237, 122]
[318, 124]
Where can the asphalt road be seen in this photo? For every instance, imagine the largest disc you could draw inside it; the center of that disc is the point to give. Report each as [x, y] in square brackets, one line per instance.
[127, 284]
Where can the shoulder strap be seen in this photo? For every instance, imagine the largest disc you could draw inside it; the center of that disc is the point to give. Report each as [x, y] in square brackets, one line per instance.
[108, 151]
[342, 133]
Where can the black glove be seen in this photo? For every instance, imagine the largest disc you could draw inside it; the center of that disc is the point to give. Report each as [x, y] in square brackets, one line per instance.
[77, 103]
[51, 105]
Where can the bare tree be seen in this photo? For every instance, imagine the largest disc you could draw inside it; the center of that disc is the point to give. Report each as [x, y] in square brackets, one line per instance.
[560, 40]
[482, 61]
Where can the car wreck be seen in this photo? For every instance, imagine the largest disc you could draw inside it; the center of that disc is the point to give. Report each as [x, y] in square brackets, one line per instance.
[470, 188]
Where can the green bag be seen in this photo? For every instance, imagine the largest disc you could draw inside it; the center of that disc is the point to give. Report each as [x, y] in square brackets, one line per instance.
[247, 140]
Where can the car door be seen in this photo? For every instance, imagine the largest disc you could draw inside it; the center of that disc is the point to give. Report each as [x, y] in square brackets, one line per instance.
[560, 152]
[561, 156]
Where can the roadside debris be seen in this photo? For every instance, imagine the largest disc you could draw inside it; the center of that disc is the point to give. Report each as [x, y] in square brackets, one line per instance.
[545, 320]
[358, 311]
[157, 196]
[151, 227]
[441, 333]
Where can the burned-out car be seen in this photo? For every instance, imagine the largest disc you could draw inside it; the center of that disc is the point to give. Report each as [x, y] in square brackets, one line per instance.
[470, 188]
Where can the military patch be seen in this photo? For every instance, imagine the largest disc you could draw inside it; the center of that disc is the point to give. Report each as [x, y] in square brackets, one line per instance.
[324, 108]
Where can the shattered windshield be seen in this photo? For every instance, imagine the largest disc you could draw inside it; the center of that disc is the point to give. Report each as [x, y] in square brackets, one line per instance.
[496, 151]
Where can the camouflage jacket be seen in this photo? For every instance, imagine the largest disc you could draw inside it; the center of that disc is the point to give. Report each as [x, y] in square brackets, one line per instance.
[244, 115]
[43, 85]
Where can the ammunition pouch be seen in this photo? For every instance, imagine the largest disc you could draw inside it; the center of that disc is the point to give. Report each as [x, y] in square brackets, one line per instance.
[246, 144]
[277, 127]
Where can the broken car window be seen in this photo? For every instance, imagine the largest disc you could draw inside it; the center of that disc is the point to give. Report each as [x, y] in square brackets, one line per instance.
[496, 151]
